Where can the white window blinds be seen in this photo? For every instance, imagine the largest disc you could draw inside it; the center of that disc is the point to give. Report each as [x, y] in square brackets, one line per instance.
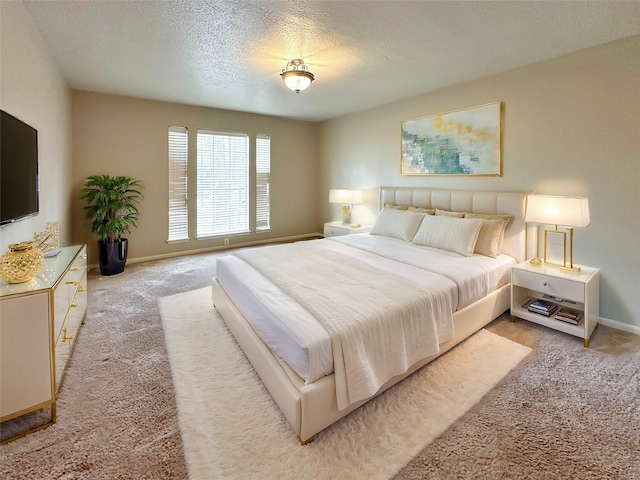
[223, 183]
[178, 209]
[263, 172]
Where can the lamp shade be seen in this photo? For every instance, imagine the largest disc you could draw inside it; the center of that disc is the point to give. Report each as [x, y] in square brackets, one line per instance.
[349, 197]
[557, 210]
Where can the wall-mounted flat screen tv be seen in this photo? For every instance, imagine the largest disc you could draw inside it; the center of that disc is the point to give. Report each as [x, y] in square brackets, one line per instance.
[19, 186]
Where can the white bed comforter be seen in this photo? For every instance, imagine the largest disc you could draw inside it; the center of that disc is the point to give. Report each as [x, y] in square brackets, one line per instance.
[382, 315]
[475, 276]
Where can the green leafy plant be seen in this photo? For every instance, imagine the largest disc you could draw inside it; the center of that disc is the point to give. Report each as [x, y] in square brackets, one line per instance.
[111, 205]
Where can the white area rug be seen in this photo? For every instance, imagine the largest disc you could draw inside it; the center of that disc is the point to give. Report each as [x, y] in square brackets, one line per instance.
[231, 428]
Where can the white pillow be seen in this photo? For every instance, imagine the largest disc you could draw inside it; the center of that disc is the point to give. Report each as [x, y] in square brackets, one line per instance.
[394, 223]
[449, 233]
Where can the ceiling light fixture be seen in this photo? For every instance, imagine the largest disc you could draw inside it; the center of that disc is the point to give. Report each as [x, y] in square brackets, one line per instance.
[296, 75]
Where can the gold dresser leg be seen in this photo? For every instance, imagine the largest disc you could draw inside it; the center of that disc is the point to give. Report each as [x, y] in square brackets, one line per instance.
[586, 342]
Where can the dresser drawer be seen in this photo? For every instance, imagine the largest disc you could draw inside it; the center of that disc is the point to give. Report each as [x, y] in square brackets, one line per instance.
[70, 326]
[81, 260]
[558, 287]
[73, 280]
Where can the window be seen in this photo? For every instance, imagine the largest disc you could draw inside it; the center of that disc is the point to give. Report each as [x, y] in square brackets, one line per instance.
[178, 159]
[263, 172]
[222, 183]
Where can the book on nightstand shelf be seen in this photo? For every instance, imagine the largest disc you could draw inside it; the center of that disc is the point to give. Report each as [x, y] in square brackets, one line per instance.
[542, 307]
[569, 316]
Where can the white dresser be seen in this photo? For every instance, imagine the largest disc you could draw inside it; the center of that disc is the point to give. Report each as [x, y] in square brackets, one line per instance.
[39, 323]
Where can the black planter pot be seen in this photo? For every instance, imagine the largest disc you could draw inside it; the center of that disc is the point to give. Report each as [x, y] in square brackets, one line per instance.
[112, 256]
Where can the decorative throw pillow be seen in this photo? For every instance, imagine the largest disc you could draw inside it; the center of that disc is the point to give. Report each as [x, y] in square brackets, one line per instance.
[491, 234]
[449, 213]
[489, 216]
[428, 211]
[449, 233]
[396, 207]
[394, 223]
[490, 238]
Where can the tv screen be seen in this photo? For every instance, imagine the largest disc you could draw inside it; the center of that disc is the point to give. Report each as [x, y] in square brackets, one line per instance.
[18, 169]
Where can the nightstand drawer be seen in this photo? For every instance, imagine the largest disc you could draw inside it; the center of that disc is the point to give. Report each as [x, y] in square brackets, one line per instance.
[558, 287]
[331, 231]
[334, 229]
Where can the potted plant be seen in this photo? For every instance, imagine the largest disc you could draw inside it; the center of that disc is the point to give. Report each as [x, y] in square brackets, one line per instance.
[111, 209]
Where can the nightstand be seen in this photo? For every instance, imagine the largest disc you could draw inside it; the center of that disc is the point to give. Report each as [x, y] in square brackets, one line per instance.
[334, 229]
[568, 294]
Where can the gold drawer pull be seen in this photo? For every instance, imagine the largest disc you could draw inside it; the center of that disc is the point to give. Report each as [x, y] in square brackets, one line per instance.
[80, 289]
[64, 335]
[73, 305]
[544, 284]
[71, 283]
[74, 269]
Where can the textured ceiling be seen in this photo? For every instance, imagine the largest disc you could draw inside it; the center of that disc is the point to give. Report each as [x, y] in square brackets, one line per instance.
[229, 53]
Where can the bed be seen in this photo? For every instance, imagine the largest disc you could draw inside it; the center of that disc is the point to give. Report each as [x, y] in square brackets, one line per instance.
[301, 322]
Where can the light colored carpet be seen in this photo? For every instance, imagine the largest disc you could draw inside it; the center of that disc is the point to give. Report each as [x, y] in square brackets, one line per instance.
[569, 413]
[231, 428]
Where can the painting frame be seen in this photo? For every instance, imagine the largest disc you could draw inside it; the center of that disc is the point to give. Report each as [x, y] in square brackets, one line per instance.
[463, 142]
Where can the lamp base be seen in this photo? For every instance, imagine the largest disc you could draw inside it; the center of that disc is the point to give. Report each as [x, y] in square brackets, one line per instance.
[573, 269]
[346, 214]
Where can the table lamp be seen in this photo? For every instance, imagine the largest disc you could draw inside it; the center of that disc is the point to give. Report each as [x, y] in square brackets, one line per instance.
[568, 212]
[348, 198]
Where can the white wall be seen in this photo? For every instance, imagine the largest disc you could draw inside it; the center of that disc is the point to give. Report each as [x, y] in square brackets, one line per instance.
[33, 89]
[571, 126]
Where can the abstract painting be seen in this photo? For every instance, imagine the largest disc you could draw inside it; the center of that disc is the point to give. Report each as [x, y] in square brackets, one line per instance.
[462, 142]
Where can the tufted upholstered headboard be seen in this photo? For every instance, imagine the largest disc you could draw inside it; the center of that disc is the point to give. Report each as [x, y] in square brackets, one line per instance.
[519, 241]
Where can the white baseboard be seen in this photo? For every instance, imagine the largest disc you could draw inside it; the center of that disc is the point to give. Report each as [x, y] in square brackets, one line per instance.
[293, 238]
[607, 322]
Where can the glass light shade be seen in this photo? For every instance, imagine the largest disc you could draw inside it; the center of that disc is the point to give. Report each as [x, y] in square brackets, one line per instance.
[557, 210]
[349, 197]
[297, 80]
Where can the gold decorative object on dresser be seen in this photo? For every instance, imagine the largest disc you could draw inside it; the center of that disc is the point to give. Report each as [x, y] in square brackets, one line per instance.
[49, 238]
[39, 323]
[21, 262]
